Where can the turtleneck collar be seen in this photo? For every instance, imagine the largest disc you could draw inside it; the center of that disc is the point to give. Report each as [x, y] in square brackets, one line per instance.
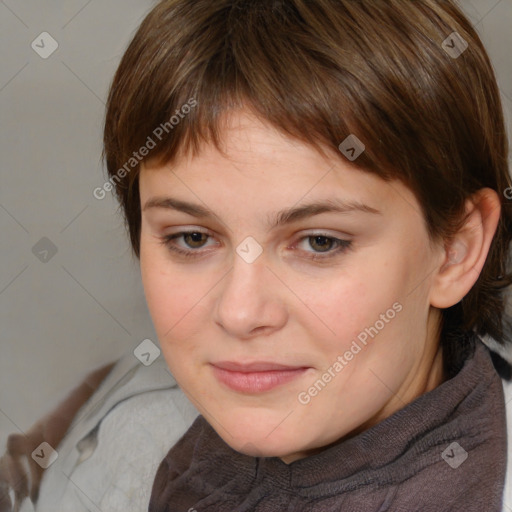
[446, 450]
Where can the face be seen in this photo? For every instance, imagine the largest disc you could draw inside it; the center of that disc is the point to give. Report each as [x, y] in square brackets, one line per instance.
[289, 290]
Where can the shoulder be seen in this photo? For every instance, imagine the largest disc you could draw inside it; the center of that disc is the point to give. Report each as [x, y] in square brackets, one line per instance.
[112, 450]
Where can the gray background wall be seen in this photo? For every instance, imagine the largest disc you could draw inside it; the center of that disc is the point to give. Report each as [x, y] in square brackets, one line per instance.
[63, 314]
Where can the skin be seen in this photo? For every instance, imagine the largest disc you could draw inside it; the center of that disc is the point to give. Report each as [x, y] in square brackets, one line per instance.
[286, 307]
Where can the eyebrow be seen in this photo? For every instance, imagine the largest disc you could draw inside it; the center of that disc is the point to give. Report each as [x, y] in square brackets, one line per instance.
[286, 216]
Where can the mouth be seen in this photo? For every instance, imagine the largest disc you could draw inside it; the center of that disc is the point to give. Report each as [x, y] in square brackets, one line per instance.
[255, 377]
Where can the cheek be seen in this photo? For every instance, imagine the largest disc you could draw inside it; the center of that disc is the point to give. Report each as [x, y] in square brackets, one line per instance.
[347, 304]
[173, 296]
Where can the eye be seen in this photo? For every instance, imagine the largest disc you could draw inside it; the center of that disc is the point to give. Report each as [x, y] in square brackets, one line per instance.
[324, 246]
[193, 240]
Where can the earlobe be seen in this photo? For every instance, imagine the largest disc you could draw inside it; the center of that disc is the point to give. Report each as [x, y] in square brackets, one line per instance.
[464, 256]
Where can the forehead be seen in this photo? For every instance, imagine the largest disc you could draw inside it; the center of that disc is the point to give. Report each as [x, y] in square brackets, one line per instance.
[257, 161]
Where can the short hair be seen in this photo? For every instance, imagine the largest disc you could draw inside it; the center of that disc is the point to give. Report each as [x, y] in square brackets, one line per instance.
[319, 71]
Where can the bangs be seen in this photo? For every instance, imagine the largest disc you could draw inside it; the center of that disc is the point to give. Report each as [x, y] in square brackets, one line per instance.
[317, 82]
[318, 72]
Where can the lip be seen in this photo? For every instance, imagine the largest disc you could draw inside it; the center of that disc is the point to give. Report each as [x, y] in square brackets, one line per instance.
[255, 377]
[256, 366]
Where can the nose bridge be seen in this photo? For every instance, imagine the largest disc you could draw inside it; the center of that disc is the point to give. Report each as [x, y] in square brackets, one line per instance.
[246, 284]
[248, 299]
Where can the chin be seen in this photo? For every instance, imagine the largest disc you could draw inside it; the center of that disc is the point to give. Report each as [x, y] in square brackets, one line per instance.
[256, 448]
[252, 435]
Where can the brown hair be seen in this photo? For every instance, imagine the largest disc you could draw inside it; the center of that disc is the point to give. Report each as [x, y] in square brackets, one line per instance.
[320, 70]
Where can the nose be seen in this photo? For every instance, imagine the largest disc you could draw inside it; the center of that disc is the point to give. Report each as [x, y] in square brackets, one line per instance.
[251, 300]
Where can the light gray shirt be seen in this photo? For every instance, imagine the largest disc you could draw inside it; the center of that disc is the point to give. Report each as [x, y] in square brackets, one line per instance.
[109, 457]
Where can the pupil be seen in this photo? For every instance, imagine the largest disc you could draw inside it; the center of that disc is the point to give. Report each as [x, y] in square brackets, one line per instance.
[321, 243]
[196, 239]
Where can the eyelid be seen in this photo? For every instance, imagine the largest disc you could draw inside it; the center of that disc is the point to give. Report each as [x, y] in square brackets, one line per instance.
[322, 232]
[187, 231]
[184, 230]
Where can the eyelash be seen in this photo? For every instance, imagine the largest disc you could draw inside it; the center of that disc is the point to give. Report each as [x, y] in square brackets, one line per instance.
[342, 245]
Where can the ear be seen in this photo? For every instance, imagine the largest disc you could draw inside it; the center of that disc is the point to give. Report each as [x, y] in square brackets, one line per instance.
[463, 258]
